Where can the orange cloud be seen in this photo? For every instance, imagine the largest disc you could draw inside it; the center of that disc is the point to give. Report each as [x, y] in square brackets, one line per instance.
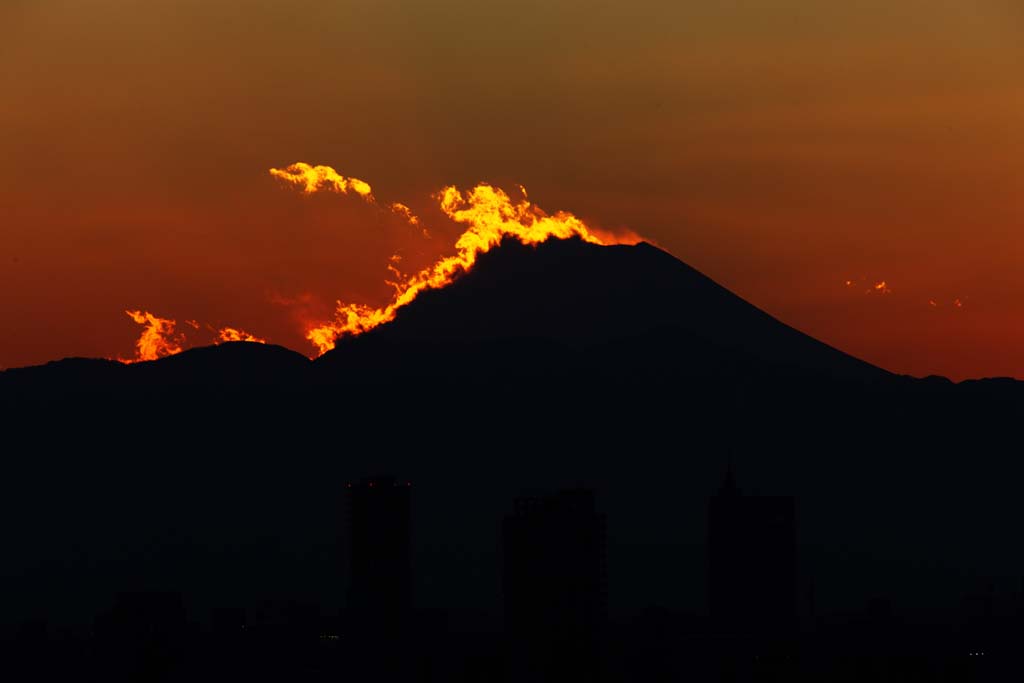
[230, 334]
[489, 215]
[157, 339]
[315, 178]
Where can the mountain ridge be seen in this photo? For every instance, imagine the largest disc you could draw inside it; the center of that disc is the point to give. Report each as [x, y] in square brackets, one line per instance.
[566, 303]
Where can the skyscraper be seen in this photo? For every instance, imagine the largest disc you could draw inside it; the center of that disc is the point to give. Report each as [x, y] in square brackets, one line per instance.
[752, 583]
[555, 585]
[380, 532]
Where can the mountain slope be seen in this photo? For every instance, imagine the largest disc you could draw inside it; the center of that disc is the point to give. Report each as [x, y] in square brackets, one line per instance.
[586, 296]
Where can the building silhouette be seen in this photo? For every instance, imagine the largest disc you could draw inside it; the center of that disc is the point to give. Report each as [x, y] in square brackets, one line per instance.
[555, 586]
[379, 615]
[752, 567]
[380, 533]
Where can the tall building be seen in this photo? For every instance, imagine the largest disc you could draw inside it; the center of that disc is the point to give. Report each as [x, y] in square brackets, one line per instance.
[752, 568]
[380, 532]
[555, 586]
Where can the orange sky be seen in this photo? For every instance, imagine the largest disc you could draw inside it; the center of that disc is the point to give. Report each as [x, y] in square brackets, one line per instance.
[782, 147]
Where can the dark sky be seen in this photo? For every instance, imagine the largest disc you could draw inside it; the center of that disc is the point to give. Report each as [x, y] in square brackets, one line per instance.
[783, 147]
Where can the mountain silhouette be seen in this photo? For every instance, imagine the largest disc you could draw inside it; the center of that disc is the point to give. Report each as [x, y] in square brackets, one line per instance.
[604, 305]
[582, 294]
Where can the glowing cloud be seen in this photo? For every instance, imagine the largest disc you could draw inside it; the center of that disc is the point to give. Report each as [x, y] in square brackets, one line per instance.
[411, 218]
[487, 212]
[874, 286]
[315, 178]
[230, 334]
[489, 215]
[957, 303]
[157, 339]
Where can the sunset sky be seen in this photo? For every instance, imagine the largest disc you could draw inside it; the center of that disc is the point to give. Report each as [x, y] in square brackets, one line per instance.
[798, 152]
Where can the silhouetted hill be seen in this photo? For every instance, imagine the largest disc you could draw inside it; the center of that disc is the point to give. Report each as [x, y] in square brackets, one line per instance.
[241, 363]
[56, 373]
[230, 364]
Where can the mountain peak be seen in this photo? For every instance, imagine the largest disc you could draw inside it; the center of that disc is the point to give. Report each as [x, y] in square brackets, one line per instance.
[584, 295]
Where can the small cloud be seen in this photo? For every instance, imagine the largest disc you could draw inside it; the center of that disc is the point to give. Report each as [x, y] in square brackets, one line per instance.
[873, 286]
[410, 217]
[231, 334]
[157, 339]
